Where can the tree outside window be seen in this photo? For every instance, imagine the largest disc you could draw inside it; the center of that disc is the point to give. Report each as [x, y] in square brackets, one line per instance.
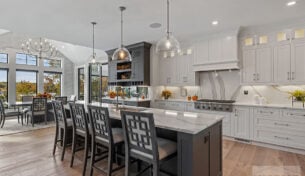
[26, 83]
[52, 83]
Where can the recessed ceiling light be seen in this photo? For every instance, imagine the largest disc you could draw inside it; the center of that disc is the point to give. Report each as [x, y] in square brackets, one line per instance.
[155, 25]
[215, 23]
[291, 3]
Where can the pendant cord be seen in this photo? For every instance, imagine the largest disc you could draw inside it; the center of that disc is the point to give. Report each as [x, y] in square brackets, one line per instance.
[121, 28]
[167, 18]
[93, 54]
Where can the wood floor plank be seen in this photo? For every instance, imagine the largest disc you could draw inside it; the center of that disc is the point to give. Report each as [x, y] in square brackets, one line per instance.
[30, 154]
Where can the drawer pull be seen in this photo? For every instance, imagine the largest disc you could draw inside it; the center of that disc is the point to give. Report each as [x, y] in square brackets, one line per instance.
[266, 112]
[279, 137]
[297, 114]
[281, 124]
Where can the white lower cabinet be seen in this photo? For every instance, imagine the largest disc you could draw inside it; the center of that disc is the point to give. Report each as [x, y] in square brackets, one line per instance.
[241, 123]
[276, 126]
[279, 127]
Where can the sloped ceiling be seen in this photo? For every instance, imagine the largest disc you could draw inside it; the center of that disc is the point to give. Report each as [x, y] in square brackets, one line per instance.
[69, 20]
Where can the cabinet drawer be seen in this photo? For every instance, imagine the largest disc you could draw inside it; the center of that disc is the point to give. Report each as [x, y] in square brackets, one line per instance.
[297, 116]
[266, 112]
[287, 126]
[279, 138]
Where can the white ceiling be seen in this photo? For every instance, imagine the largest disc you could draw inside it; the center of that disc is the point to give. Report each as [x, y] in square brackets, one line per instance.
[69, 20]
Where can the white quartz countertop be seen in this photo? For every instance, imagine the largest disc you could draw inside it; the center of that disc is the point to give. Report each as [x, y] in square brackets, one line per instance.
[297, 105]
[175, 100]
[128, 99]
[186, 122]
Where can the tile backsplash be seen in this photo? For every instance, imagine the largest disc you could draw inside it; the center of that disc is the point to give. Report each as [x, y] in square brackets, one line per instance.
[226, 85]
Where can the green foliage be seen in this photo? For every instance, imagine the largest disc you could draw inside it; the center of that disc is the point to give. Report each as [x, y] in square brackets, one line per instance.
[25, 88]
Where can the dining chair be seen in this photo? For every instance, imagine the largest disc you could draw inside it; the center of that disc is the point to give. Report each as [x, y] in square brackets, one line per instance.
[103, 134]
[141, 142]
[72, 99]
[38, 109]
[7, 113]
[63, 124]
[63, 99]
[80, 130]
[26, 109]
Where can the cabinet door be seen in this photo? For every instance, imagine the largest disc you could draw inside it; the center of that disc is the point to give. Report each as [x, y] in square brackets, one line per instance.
[298, 62]
[229, 48]
[215, 50]
[241, 120]
[201, 53]
[249, 70]
[282, 55]
[264, 65]
[185, 76]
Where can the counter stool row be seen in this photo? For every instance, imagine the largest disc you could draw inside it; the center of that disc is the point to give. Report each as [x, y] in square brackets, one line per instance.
[101, 141]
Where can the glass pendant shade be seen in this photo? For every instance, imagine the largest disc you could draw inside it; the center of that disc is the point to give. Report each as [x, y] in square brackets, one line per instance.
[121, 54]
[168, 46]
[96, 60]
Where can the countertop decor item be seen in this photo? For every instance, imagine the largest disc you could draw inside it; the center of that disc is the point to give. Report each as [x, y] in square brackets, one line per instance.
[44, 95]
[121, 53]
[168, 46]
[112, 94]
[195, 98]
[297, 96]
[166, 94]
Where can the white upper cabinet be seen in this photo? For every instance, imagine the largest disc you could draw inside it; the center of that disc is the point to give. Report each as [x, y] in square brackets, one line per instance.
[278, 58]
[178, 70]
[217, 53]
[257, 60]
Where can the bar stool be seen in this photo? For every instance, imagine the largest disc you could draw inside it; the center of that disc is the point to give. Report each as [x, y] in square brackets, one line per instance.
[26, 109]
[61, 123]
[103, 134]
[141, 142]
[80, 129]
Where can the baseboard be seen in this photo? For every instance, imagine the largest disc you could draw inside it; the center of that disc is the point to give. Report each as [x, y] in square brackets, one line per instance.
[272, 146]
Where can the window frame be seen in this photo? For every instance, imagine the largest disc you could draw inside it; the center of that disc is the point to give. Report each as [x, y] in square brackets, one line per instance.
[36, 65]
[22, 70]
[53, 72]
[6, 59]
[60, 66]
[7, 89]
[78, 82]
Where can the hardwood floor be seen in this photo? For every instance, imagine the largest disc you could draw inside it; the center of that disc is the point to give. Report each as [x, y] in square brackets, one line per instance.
[30, 154]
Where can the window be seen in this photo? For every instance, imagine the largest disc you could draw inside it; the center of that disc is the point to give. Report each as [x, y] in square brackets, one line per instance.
[3, 85]
[95, 83]
[52, 63]
[3, 58]
[26, 59]
[104, 79]
[81, 83]
[52, 83]
[26, 83]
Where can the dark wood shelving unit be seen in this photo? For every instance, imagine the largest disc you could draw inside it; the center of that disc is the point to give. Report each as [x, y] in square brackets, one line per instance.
[131, 73]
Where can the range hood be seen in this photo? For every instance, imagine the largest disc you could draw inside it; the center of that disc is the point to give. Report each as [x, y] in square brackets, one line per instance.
[218, 52]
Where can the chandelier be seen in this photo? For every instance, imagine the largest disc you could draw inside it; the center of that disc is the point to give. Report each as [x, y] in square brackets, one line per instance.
[43, 48]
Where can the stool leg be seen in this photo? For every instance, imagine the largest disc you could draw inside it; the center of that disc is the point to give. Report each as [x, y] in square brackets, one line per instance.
[73, 148]
[127, 164]
[156, 169]
[55, 140]
[110, 160]
[85, 156]
[93, 148]
[64, 145]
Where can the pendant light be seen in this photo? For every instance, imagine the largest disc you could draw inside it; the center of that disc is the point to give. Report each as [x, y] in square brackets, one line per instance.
[169, 45]
[121, 53]
[93, 59]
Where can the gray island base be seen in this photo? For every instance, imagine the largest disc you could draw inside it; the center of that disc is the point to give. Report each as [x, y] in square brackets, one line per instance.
[198, 136]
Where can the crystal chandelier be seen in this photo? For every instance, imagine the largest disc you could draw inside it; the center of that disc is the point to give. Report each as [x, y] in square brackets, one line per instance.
[121, 53]
[168, 46]
[43, 48]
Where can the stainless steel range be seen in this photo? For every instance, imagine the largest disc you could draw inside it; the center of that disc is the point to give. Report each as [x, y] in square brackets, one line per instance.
[215, 105]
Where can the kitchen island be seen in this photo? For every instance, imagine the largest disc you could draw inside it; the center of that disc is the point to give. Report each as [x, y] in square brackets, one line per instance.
[198, 136]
